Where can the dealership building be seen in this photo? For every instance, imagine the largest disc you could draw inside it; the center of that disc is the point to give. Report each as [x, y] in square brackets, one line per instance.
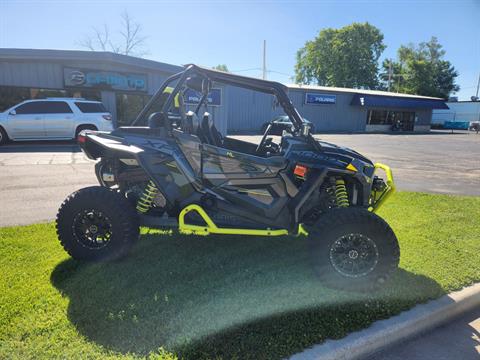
[124, 84]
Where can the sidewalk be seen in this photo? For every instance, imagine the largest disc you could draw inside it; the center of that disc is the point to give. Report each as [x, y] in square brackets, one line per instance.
[459, 339]
[422, 320]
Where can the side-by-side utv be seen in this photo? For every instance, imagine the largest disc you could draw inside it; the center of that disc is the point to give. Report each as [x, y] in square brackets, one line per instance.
[174, 169]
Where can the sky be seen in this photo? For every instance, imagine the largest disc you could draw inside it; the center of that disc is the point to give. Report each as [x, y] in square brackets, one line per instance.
[232, 32]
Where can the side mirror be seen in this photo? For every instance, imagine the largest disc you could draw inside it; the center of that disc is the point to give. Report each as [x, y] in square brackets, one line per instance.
[12, 112]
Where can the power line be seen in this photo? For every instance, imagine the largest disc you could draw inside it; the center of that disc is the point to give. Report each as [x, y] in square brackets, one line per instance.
[257, 68]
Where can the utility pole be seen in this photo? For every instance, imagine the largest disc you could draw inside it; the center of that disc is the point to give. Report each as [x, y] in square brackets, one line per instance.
[478, 86]
[264, 76]
[389, 74]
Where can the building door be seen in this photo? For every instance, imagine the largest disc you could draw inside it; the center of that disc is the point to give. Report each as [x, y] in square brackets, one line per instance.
[408, 121]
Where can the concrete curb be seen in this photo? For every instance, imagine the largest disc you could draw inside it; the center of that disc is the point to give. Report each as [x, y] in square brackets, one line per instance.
[385, 333]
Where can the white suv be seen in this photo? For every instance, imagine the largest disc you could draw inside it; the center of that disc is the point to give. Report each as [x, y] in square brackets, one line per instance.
[53, 119]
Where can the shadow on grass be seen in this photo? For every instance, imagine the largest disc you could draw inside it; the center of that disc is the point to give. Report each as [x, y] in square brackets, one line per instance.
[220, 296]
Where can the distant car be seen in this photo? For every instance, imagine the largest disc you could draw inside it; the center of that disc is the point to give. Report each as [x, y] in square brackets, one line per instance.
[474, 126]
[281, 123]
[53, 119]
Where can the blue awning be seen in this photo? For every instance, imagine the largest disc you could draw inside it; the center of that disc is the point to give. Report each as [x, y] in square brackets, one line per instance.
[397, 102]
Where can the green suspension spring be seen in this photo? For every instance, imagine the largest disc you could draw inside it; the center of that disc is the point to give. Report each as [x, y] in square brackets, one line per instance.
[145, 202]
[341, 194]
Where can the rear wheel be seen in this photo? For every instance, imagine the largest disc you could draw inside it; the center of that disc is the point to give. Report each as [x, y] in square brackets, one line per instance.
[353, 249]
[97, 223]
[3, 136]
[84, 127]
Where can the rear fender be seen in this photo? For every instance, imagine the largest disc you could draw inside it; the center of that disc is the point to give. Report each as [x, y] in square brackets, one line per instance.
[97, 145]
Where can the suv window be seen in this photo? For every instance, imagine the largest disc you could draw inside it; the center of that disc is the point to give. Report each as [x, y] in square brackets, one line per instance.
[90, 107]
[44, 107]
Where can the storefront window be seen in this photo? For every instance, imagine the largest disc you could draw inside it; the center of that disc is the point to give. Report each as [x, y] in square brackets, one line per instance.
[389, 117]
[85, 94]
[12, 95]
[129, 106]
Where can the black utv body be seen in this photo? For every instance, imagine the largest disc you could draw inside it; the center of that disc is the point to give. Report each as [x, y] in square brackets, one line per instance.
[178, 171]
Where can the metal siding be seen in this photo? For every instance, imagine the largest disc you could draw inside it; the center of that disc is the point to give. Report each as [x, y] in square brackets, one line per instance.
[247, 110]
[424, 116]
[154, 82]
[31, 74]
[340, 116]
[110, 103]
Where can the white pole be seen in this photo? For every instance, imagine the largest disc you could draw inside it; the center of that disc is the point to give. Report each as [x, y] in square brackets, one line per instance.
[264, 76]
[478, 85]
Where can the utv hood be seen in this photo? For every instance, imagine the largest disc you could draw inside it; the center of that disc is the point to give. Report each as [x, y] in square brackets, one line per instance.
[340, 151]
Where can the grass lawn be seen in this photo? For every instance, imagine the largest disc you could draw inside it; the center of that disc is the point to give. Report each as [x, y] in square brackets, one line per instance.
[218, 297]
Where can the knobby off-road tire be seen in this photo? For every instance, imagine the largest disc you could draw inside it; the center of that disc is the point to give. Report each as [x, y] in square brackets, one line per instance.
[353, 249]
[97, 223]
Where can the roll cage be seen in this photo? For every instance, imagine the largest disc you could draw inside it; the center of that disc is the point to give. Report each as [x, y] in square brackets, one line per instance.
[207, 77]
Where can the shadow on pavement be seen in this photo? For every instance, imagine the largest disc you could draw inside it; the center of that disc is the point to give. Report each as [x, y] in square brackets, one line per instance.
[40, 146]
[221, 297]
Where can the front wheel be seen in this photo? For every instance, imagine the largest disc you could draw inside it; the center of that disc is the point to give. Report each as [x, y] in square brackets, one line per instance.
[353, 249]
[97, 223]
[3, 136]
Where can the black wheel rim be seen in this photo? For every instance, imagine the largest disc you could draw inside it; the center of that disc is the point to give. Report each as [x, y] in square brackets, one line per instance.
[92, 228]
[354, 255]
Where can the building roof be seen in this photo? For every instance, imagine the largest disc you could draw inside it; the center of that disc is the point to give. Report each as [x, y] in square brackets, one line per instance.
[80, 55]
[359, 91]
[374, 96]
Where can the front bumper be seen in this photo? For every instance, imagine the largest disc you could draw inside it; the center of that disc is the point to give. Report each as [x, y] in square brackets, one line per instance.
[379, 198]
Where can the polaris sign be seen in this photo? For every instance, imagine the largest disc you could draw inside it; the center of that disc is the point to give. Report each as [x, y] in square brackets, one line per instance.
[104, 80]
[320, 99]
[193, 97]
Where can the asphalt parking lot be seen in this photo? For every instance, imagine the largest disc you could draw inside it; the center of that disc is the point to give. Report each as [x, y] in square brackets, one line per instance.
[36, 177]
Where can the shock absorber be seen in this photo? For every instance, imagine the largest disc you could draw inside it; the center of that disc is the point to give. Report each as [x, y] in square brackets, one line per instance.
[145, 202]
[341, 194]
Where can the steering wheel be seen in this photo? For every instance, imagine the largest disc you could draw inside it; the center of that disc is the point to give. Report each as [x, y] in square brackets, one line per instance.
[263, 142]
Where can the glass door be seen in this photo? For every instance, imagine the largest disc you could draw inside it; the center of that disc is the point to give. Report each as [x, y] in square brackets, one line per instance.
[408, 121]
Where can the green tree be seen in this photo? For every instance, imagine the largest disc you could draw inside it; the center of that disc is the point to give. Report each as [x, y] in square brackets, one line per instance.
[221, 67]
[345, 57]
[422, 70]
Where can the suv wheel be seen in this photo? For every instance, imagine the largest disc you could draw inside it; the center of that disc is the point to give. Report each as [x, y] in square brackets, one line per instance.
[3, 136]
[97, 223]
[84, 127]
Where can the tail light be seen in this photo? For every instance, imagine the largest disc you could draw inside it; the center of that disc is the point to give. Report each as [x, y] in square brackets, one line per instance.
[107, 117]
[300, 171]
[82, 138]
